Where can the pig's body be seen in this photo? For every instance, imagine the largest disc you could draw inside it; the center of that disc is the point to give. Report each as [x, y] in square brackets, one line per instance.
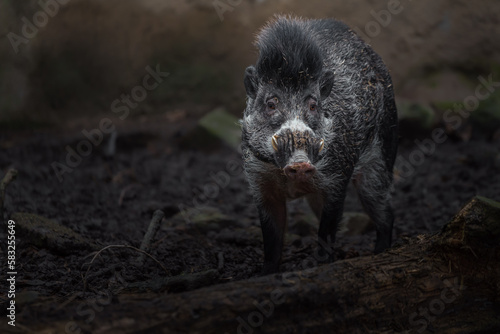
[320, 112]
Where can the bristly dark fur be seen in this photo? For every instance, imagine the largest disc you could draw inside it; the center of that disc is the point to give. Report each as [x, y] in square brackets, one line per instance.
[289, 57]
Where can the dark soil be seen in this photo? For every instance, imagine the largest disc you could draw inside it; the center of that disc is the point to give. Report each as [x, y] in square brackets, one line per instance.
[110, 200]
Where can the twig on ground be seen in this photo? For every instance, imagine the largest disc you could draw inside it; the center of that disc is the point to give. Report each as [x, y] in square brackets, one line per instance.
[153, 227]
[118, 246]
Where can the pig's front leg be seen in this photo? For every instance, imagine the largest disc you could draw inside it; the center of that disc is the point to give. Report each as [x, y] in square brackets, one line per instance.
[272, 215]
[331, 216]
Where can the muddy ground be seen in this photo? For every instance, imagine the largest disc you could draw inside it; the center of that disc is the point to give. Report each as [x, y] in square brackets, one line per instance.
[110, 199]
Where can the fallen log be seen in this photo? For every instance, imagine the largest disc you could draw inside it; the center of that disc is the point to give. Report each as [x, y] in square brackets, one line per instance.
[448, 282]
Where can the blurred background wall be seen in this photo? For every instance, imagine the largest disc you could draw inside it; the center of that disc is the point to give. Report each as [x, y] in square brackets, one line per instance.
[86, 53]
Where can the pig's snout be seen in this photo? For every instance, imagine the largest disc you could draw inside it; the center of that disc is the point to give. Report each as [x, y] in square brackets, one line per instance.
[300, 172]
[294, 152]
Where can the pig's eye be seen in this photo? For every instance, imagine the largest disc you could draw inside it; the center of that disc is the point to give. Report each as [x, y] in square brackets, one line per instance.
[313, 106]
[271, 104]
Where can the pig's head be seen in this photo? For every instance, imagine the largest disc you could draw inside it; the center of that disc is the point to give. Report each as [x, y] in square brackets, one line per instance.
[284, 121]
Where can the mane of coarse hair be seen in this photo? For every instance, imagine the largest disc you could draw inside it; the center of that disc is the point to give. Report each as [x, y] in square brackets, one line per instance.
[289, 54]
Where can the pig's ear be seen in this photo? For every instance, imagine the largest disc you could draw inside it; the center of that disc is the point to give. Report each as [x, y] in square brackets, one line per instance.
[326, 84]
[250, 82]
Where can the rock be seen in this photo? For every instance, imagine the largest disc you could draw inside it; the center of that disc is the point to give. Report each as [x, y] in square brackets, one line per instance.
[45, 233]
[222, 125]
[216, 127]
